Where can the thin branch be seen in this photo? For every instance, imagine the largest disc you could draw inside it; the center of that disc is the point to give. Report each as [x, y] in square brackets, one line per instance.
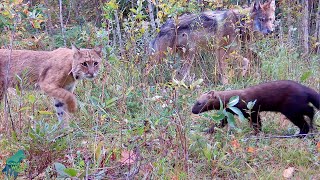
[150, 7]
[61, 24]
[6, 81]
[273, 137]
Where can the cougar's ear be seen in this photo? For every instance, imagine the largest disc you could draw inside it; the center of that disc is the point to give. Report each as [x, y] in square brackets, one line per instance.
[98, 50]
[76, 51]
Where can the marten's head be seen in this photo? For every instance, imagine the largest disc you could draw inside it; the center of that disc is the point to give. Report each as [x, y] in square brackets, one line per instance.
[207, 101]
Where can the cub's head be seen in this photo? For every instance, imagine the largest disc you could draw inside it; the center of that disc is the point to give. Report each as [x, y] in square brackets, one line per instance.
[207, 101]
[86, 62]
[263, 16]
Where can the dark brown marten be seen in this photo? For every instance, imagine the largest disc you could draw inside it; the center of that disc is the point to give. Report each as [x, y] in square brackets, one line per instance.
[287, 97]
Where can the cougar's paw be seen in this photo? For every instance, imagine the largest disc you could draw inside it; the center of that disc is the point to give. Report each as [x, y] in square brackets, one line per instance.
[72, 105]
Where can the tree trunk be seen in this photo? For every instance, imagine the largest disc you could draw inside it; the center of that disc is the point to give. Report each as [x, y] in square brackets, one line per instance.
[61, 24]
[98, 20]
[49, 21]
[118, 31]
[317, 34]
[305, 26]
[290, 23]
[150, 7]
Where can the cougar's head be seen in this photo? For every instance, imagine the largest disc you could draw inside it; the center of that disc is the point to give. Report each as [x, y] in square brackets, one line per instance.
[86, 62]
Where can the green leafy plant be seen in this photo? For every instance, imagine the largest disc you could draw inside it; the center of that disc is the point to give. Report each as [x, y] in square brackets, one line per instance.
[13, 164]
[46, 143]
[223, 112]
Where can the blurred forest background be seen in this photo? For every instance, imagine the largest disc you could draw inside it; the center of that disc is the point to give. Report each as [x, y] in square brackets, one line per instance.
[131, 125]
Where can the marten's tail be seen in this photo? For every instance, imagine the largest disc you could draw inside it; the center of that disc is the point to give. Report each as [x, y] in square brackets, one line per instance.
[314, 98]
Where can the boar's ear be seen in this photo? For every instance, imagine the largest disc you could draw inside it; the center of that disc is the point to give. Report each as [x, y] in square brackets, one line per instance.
[98, 50]
[76, 51]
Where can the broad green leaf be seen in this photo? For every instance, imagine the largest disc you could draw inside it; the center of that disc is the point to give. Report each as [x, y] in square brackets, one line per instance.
[231, 120]
[60, 170]
[233, 101]
[238, 112]
[251, 104]
[218, 116]
[71, 172]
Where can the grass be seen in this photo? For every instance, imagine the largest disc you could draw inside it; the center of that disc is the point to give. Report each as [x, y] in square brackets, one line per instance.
[125, 112]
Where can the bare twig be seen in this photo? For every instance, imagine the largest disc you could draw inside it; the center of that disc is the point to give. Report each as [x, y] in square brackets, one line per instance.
[272, 137]
[118, 31]
[61, 23]
[150, 7]
[6, 81]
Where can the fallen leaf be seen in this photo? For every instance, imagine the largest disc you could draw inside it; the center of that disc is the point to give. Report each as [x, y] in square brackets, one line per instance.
[288, 173]
[235, 143]
[318, 146]
[128, 157]
[251, 150]
[174, 177]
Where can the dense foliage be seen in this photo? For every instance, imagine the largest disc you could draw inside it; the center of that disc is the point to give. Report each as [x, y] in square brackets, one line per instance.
[134, 125]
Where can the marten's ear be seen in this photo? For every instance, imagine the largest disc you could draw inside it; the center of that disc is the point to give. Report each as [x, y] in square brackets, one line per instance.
[211, 94]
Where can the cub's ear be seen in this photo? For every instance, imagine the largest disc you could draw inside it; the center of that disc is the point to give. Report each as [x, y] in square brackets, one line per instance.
[98, 50]
[76, 51]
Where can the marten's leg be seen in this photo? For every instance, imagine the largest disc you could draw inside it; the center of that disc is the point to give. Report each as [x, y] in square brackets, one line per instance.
[309, 111]
[297, 119]
[256, 122]
[222, 124]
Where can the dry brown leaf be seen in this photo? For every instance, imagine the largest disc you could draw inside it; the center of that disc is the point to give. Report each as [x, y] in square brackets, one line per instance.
[318, 146]
[128, 157]
[251, 150]
[288, 173]
[235, 143]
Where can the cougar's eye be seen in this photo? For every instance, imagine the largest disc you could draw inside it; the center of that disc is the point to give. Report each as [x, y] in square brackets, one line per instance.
[85, 64]
[95, 63]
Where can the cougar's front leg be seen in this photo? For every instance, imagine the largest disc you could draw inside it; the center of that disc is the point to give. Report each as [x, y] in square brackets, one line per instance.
[64, 100]
[60, 109]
